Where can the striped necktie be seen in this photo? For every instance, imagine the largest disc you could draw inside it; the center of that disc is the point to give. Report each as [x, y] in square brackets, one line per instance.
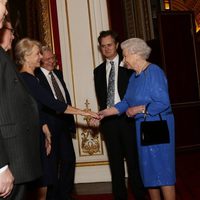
[56, 87]
[111, 86]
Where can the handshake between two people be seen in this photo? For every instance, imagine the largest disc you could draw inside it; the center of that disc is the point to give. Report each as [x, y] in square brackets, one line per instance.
[95, 121]
[131, 112]
[94, 118]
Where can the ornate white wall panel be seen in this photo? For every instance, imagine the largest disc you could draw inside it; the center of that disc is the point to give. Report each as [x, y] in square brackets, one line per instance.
[80, 22]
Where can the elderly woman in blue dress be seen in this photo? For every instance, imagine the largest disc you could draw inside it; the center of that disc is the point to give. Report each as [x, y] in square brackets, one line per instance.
[148, 86]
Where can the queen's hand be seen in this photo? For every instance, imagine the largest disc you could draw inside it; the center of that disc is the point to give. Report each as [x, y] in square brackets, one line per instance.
[108, 112]
[132, 111]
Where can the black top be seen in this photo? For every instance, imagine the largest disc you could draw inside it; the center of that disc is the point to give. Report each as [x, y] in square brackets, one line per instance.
[61, 121]
[42, 95]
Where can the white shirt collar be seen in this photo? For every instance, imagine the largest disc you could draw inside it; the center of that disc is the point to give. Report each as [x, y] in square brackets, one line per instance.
[45, 71]
[115, 60]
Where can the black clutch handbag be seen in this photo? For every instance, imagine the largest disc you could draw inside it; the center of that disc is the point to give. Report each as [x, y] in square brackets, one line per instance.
[154, 132]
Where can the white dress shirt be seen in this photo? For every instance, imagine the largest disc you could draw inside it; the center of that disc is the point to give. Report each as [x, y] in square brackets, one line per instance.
[48, 77]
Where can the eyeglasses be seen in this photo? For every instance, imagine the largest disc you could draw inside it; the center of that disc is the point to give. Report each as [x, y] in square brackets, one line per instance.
[11, 29]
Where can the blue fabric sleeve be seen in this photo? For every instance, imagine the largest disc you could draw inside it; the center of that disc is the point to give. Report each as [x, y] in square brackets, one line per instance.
[158, 91]
[122, 106]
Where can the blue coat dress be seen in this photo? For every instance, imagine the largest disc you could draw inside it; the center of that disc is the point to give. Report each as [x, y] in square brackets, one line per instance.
[157, 162]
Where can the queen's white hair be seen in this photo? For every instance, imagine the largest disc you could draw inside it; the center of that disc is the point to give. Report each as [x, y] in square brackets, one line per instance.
[137, 46]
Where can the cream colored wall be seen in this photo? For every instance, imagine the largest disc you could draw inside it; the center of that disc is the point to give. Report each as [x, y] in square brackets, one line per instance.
[80, 22]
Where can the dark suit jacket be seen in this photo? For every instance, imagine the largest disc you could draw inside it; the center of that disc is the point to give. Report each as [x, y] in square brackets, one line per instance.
[119, 136]
[62, 154]
[101, 83]
[19, 124]
[66, 121]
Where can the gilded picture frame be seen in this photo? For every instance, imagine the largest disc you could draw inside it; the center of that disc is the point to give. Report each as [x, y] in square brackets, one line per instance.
[32, 19]
[45, 23]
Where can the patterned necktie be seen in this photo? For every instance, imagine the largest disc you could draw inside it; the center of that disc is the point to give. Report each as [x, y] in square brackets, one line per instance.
[56, 87]
[111, 86]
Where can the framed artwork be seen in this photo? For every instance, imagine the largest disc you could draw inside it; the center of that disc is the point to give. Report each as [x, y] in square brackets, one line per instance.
[36, 19]
[32, 18]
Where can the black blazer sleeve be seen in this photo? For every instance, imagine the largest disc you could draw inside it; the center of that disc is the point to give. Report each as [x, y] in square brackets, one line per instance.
[69, 118]
[41, 94]
[100, 85]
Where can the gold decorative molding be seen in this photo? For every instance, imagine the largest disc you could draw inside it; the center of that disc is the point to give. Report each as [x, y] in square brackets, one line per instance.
[90, 164]
[90, 143]
[188, 5]
[45, 23]
[130, 19]
[138, 19]
[90, 139]
[91, 34]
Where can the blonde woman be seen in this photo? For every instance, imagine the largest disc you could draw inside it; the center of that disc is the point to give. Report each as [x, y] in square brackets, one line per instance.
[28, 57]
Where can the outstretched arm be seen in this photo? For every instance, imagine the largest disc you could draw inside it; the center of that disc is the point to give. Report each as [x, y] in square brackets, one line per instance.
[77, 111]
[108, 112]
[43, 96]
[103, 113]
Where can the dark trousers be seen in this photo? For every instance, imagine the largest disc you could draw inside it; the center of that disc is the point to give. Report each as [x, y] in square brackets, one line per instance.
[120, 138]
[17, 193]
[64, 168]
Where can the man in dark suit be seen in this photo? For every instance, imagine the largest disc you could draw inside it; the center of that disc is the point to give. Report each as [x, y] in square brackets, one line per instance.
[61, 127]
[118, 131]
[19, 126]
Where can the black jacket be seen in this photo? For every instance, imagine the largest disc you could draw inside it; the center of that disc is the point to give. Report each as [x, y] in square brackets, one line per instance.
[19, 124]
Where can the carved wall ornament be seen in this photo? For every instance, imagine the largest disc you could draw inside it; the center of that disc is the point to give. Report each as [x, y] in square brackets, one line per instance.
[90, 142]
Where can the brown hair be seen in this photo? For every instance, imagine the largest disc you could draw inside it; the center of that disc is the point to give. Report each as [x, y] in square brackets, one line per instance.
[111, 33]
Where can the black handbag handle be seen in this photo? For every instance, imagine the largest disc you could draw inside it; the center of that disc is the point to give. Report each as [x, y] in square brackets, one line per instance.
[145, 113]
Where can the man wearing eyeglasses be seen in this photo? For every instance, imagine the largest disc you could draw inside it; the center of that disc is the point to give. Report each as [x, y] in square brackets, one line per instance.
[19, 124]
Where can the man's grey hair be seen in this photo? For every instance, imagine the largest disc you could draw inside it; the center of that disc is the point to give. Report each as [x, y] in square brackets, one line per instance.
[137, 46]
[46, 48]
